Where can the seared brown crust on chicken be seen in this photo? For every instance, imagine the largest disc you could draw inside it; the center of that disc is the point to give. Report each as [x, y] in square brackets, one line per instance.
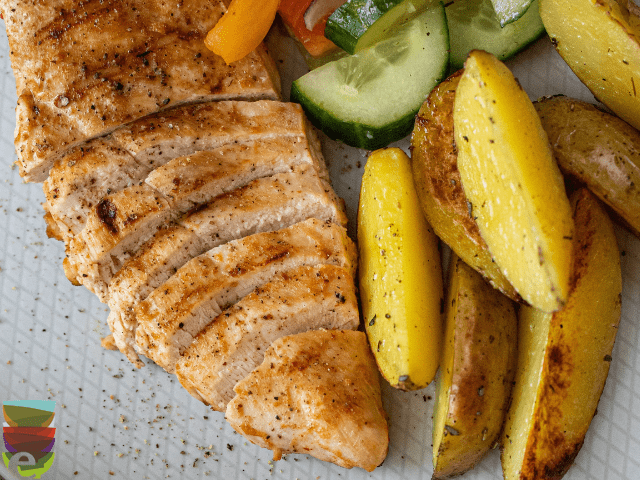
[316, 393]
[233, 344]
[264, 205]
[180, 308]
[84, 68]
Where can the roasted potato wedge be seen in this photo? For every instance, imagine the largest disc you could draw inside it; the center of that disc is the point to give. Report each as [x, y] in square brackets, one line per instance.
[599, 150]
[600, 41]
[400, 273]
[564, 357]
[477, 369]
[435, 172]
[512, 181]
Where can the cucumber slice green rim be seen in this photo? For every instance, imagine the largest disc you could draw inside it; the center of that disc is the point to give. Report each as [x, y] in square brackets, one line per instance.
[358, 24]
[370, 99]
[473, 25]
[509, 11]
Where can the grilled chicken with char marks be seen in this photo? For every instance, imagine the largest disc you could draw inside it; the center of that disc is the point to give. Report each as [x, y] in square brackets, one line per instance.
[158, 259]
[85, 68]
[186, 182]
[82, 177]
[156, 139]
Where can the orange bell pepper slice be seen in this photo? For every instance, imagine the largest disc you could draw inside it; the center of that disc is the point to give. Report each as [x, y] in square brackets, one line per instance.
[242, 28]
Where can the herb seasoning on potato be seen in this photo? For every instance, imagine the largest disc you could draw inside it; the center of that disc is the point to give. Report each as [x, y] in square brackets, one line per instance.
[400, 273]
[513, 182]
[434, 159]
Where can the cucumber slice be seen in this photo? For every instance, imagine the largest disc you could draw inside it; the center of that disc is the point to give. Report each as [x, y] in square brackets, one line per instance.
[473, 25]
[370, 99]
[315, 62]
[509, 11]
[358, 24]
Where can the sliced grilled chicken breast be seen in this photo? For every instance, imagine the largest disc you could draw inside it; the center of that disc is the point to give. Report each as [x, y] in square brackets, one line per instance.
[101, 166]
[179, 309]
[83, 69]
[230, 347]
[267, 203]
[158, 259]
[123, 222]
[316, 393]
[264, 205]
[193, 179]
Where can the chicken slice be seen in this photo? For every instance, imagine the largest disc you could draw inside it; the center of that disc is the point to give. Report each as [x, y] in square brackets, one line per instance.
[232, 345]
[265, 205]
[120, 224]
[194, 179]
[85, 174]
[158, 138]
[316, 393]
[116, 226]
[83, 69]
[184, 305]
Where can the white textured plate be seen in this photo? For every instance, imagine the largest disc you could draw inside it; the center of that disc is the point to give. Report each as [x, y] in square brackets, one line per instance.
[114, 420]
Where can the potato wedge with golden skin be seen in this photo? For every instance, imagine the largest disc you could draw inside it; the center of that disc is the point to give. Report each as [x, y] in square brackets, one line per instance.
[400, 273]
[564, 357]
[600, 41]
[477, 369]
[512, 181]
[599, 150]
[434, 160]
